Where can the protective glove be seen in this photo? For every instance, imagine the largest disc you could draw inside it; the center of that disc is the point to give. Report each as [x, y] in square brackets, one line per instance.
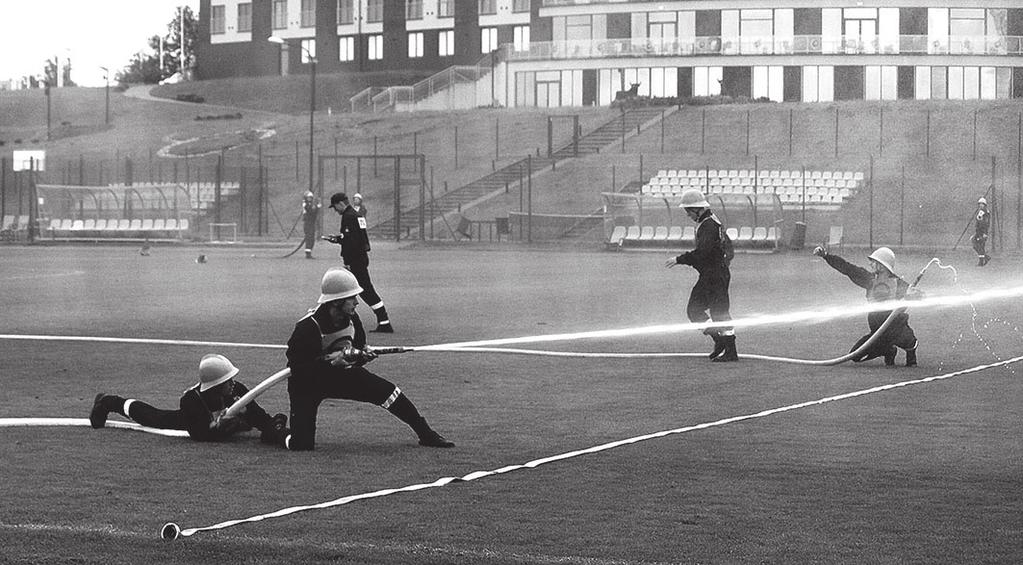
[820, 251]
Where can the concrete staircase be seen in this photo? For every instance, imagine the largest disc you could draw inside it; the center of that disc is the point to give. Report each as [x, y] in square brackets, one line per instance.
[489, 186]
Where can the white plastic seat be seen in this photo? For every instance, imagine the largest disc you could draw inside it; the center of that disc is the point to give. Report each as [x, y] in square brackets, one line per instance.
[171, 224]
[101, 225]
[632, 233]
[733, 233]
[675, 233]
[759, 235]
[617, 235]
[661, 233]
[745, 234]
[689, 234]
[147, 224]
[646, 233]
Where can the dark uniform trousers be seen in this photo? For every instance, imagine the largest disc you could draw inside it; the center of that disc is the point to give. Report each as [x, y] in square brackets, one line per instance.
[369, 294]
[710, 295]
[353, 383]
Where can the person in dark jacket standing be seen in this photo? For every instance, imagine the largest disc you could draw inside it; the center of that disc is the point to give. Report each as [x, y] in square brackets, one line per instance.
[709, 297]
[327, 352]
[982, 227]
[310, 215]
[355, 250]
[201, 408]
[881, 284]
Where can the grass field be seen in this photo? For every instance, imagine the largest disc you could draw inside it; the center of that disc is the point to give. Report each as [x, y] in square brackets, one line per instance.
[925, 473]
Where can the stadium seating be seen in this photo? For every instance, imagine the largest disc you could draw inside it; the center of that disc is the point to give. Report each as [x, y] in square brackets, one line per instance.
[669, 183]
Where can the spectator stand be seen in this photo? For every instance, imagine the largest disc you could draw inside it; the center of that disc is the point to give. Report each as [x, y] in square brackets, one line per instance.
[141, 212]
[649, 221]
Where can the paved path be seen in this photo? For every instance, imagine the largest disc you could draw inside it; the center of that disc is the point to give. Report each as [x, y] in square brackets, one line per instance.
[142, 92]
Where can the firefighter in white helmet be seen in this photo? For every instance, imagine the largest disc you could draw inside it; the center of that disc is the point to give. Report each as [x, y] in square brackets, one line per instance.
[982, 227]
[711, 258]
[201, 408]
[327, 352]
[881, 284]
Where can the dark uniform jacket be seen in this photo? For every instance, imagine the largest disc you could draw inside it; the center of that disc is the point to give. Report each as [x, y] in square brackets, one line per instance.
[200, 408]
[880, 287]
[983, 224]
[310, 342]
[354, 239]
[708, 258]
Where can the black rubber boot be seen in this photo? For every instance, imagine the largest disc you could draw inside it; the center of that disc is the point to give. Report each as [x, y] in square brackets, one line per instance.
[403, 408]
[383, 322]
[103, 405]
[911, 357]
[889, 356]
[730, 353]
[719, 346]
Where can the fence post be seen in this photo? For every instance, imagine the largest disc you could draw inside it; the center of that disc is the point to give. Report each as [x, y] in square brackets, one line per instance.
[880, 135]
[747, 132]
[902, 205]
[790, 132]
[836, 133]
[703, 132]
[928, 135]
[975, 136]
[662, 131]
[870, 190]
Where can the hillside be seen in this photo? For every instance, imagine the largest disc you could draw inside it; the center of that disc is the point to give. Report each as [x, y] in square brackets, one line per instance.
[945, 148]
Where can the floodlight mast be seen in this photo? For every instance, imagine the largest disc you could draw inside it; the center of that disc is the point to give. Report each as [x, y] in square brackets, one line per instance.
[106, 77]
[312, 99]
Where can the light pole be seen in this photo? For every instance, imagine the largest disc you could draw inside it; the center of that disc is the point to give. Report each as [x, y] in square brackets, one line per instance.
[106, 77]
[312, 100]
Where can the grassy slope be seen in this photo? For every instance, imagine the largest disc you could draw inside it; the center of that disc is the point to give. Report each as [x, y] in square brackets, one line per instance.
[940, 189]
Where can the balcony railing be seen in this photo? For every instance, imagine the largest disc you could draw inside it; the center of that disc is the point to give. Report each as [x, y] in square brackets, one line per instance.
[772, 45]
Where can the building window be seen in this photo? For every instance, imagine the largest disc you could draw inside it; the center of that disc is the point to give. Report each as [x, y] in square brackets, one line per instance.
[488, 7]
[280, 14]
[521, 38]
[308, 13]
[415, 45]
[756, 30]
[446, 43]
[345, 12]
[308, 51]
[376, 47]
[245, 17]
[217, 19]
[375, 11]
[520, 6]
[413, 9]
[346, 49]
[488, 39]
[445, 8]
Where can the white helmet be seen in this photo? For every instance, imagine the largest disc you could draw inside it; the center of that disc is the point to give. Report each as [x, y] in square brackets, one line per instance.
[215, 370]
[884, 256]
[982, 200]
[308, 195]
[338, 284]
[693, 198]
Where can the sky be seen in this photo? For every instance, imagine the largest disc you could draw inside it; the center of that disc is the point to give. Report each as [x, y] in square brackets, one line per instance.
[93, 33]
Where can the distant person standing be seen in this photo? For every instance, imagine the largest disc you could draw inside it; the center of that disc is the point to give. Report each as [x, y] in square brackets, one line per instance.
[310, 215]
[355, 250]
[711, 258]
[358, 206]
[982, 226]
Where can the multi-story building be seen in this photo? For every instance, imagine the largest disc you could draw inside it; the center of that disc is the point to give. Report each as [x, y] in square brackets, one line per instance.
[582, 52]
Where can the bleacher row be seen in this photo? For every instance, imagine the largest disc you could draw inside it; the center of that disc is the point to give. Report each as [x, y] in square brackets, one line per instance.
[759, 237]
[819, 187]
[118, 228]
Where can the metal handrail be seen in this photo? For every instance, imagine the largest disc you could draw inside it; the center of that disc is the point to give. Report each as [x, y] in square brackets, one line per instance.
[771, 45]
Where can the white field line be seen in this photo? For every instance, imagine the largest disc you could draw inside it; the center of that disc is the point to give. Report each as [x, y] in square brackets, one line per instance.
[595, 449]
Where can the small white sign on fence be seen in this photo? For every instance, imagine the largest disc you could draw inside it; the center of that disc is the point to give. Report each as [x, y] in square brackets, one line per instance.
[33, 159]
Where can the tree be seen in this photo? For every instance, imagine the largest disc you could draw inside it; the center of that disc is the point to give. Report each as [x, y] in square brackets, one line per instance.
[172, 43]
[145, 67]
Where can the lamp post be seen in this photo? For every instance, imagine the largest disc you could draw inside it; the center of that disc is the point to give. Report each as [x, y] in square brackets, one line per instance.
[106, 77]
[312, 100]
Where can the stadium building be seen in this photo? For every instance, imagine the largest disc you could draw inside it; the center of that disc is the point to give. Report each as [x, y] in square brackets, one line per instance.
[550, 53]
